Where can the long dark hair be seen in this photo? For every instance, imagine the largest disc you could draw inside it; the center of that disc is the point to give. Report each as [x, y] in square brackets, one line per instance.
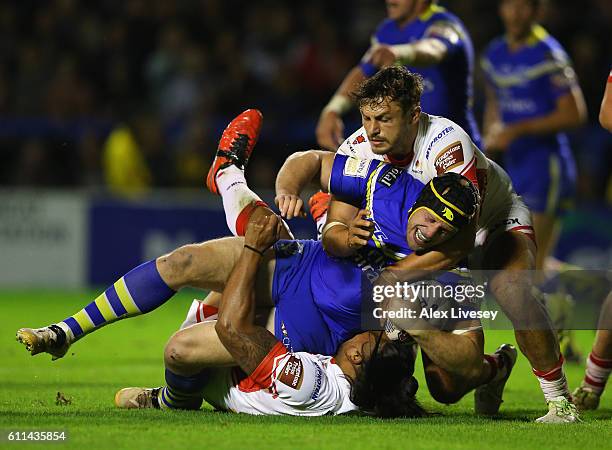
[385, 387]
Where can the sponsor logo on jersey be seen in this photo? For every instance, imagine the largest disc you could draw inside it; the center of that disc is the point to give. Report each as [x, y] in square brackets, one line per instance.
[449, 158]
[317, 384]
[357, 168]
[359, 140]
[448, 214]
[293, 373]
[379, 234]
[390, 176]
[288, 248]
[514, 221]
[440, 135]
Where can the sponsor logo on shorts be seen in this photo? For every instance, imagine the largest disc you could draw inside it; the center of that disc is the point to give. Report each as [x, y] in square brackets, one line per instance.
[357, 168]
[440, 135]
[390, 176]
[293, 373]
[449, 158]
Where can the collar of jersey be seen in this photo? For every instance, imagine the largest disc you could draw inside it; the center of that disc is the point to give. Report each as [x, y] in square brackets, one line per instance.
[536, 35]
[433, 8]
[401, 162]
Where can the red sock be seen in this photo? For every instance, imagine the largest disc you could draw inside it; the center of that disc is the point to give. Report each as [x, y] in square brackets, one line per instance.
[243, 218]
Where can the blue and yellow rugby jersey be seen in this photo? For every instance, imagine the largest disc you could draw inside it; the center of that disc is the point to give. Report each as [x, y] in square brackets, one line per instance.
[448, 89]
[388, 192]
[527, 83]
[317, 296]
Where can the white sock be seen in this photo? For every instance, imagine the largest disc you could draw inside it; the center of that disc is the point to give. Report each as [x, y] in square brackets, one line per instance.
[320, 224]
[69, 336]
[235, 194]
[553, 382]
[597, 373]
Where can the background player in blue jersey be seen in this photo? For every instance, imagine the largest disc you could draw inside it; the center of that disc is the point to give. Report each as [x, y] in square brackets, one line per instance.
[430, 41]
[532, 98]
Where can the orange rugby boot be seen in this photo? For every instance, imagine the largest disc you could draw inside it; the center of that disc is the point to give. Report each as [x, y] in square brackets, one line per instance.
[236, 145]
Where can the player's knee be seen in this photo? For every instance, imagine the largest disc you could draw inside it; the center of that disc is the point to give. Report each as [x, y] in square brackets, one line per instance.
[442, 386]
[176, 267]
[444, 395]
[177, 353]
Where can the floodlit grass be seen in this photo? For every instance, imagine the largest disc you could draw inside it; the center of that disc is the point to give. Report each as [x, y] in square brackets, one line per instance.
[129, 353]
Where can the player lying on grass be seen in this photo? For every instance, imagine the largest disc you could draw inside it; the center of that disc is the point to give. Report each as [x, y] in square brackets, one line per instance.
[368, 371]
[396, 130]
[315, 320]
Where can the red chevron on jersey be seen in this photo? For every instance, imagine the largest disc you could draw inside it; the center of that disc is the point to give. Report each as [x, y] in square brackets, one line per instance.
[359, 139]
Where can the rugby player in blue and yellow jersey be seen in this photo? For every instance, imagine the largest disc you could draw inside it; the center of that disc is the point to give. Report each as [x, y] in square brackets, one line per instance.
[317, 298]
[396, 130]
[431, 41]
[533, 97]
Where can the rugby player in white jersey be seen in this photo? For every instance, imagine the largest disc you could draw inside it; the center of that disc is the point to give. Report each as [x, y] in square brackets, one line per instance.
[368, 372]
[396, 130]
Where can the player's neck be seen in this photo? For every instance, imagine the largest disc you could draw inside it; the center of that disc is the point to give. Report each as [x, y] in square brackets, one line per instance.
[403, 156]
[414, 15]
[400, 159]
[345, 366]
[518, 41]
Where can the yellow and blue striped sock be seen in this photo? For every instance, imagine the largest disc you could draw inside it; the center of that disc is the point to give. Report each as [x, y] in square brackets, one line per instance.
[139, 291]
[182, 392]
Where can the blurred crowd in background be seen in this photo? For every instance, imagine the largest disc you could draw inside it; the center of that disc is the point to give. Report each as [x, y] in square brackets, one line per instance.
[158, 81]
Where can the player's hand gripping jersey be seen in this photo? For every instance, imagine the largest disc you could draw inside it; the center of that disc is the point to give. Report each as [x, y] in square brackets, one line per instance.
[297, 384]
[443, 146]
[447, 86]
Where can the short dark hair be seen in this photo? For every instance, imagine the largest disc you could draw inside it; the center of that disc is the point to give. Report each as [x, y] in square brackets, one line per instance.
[535, 4]
[395, 83]
[385, 387]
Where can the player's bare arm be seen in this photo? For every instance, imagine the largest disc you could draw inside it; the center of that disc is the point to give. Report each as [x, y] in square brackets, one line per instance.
[570, 112]
[246, 342]
[347, 229]
[605, 110]
[299, 170]
[422, 53]
[441, 257]
[330, 128]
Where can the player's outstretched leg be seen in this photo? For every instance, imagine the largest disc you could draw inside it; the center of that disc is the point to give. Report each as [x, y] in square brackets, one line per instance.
[488, 397]
[139, 291]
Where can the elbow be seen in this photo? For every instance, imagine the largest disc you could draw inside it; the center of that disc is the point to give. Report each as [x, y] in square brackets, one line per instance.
[223, 326]
[582, 118]
[605, 120]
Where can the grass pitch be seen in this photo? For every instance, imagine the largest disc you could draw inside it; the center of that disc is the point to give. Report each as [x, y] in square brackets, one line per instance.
[129, 353]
